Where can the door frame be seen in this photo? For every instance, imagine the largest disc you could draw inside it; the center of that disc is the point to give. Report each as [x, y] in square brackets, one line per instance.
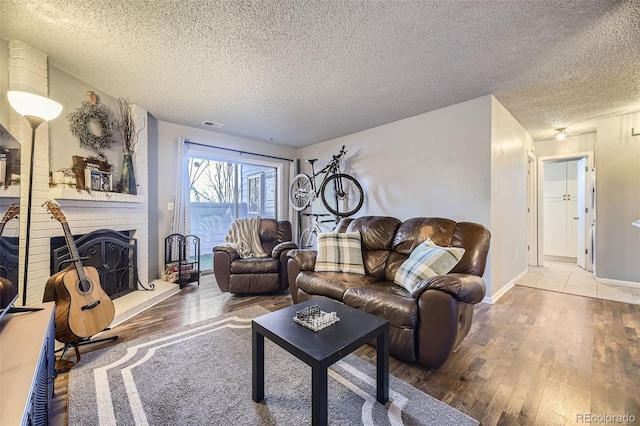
[532, 208]
[538, 237]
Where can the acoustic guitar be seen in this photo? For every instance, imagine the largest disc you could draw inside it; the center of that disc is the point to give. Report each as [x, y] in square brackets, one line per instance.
[13, 211]
[83, 309]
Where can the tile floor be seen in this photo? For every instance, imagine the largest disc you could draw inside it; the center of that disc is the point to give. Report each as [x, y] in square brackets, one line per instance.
[570, 278]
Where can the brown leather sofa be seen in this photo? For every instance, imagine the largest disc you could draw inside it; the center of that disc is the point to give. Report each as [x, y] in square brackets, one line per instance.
[257, 274]
[428, 324]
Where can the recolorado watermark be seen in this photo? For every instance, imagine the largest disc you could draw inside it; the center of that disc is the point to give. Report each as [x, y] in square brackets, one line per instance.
[605, 418]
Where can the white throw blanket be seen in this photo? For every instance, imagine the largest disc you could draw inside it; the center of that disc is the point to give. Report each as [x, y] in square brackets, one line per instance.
[244, 236]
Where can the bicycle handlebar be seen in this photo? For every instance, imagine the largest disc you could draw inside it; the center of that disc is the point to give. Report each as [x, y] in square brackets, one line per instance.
[340, 154]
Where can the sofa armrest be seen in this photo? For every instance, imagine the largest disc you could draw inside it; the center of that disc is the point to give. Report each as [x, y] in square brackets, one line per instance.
[229, 248]
[465, 287]
[279, 248]
[305, 258]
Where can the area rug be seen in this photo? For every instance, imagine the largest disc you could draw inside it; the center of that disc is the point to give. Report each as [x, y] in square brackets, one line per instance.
[201, 375]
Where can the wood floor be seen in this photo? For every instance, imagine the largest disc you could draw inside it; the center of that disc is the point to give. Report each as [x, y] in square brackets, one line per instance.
[535, 357]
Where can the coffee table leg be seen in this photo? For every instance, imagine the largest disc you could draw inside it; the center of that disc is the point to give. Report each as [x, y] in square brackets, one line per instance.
[257, 365]
[382, 367]
[319, 396]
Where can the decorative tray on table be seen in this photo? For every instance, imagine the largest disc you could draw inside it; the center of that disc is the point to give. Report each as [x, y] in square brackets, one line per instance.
[315, 319]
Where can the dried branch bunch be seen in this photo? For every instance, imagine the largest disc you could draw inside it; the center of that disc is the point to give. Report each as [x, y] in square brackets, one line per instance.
[128, 125]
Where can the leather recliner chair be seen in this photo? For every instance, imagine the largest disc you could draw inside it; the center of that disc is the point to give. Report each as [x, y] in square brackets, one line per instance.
[256, 274]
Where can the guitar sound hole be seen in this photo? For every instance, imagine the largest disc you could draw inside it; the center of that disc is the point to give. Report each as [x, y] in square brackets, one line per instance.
[85, 286]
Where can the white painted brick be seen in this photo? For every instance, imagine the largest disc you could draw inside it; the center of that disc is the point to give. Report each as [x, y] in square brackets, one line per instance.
[20, 49]
[85, 212]
[29, 80]
[23, 66]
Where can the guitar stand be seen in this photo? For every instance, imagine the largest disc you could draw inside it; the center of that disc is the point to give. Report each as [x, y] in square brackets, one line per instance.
[63, 365]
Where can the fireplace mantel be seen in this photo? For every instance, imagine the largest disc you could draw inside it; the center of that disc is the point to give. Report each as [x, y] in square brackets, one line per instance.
[74, 194]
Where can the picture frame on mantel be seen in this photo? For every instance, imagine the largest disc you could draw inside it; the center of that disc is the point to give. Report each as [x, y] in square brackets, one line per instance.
[82, 165]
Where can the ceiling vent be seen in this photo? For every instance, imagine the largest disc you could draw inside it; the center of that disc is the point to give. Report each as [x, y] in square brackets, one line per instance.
[213, 124]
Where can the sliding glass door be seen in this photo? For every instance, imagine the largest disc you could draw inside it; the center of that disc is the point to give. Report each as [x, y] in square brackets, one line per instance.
[221, 190]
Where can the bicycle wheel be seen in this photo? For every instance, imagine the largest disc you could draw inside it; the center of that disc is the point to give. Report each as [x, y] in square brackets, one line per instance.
[308, 239]
[301, 192]
[342, 195]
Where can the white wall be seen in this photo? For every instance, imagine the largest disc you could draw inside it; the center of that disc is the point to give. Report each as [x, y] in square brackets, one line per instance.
[572, 144]
[618, 199]
[4, 83]
[436, 164]
[509, 145]
[71, 92]
[167, 151]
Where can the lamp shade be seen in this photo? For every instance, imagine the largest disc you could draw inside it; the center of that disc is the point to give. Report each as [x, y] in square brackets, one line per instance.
[28, 104]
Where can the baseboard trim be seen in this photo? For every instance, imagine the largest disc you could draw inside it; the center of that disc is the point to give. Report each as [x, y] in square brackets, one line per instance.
[617, 282]
[566, 259]
[494, 298]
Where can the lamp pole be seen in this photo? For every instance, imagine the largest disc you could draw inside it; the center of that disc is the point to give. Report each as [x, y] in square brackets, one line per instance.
[36, 110]
[34, 122]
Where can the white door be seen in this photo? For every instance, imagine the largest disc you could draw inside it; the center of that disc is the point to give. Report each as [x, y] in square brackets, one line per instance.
[572, 179]
[555, 227]
[555, 179]
[581, 228]
[561, 208]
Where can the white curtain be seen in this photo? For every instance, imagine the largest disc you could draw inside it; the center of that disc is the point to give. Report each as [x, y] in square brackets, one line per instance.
[181, 196]
[293, 213]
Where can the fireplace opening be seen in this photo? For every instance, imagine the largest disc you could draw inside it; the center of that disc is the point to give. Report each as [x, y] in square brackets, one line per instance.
[112, 253]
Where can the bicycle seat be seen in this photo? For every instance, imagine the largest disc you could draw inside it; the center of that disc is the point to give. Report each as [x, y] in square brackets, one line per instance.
[312, 161]
[315, 214]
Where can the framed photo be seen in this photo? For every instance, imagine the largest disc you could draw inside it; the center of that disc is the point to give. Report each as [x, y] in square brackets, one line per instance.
[254, 193]
[83, 166]
[99, 181]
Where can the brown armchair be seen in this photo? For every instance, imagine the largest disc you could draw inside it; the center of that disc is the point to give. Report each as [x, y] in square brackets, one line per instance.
[256, 274]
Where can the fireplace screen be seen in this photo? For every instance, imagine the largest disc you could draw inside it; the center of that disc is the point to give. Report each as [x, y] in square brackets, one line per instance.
[112, 253]
[9, 258]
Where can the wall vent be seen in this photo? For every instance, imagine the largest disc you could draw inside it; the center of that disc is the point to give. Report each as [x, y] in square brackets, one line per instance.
[213, 124]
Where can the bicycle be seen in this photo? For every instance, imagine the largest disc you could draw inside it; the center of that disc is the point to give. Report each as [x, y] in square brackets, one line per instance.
[309, 235]
[340, 193]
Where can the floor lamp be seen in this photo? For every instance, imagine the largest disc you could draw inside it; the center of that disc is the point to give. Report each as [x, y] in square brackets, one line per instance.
[36, 109]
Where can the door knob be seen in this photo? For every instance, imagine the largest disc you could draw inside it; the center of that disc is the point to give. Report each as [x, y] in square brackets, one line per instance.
[576, 218]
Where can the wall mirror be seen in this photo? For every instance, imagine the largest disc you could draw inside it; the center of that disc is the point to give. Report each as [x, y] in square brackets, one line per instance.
[9, 213]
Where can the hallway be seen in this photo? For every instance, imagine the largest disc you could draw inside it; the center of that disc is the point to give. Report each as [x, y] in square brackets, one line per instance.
[569, 278]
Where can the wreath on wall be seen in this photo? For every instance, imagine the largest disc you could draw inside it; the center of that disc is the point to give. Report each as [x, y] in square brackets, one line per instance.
[79, 120]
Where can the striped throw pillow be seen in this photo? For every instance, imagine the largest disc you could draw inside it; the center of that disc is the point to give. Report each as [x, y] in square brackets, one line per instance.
[340, 252]
[426, 261]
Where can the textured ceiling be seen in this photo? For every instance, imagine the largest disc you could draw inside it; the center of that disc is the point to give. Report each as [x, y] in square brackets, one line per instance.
[300, 72]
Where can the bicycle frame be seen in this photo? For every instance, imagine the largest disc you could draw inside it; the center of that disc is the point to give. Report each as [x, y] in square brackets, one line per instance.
[340, 193]
[332, 168]
[308, 236]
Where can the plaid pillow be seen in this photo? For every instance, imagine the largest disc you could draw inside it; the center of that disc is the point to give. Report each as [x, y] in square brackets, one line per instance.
[426, 261]
[340, 252]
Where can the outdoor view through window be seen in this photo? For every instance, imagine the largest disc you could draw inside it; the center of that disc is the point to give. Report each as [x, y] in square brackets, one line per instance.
[221, 191]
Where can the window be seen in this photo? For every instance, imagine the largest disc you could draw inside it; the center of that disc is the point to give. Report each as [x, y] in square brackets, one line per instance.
[221, 190]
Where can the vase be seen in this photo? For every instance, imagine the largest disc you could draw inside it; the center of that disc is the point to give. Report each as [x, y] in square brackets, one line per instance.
[128, 177]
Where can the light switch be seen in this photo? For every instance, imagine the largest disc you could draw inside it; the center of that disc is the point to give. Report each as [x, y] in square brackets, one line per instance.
[170, 206]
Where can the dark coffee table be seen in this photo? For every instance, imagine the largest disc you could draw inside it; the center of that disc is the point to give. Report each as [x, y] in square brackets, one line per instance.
[321, 349]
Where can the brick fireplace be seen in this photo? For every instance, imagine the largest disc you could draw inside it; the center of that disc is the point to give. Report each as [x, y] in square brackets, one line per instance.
[85, 212]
